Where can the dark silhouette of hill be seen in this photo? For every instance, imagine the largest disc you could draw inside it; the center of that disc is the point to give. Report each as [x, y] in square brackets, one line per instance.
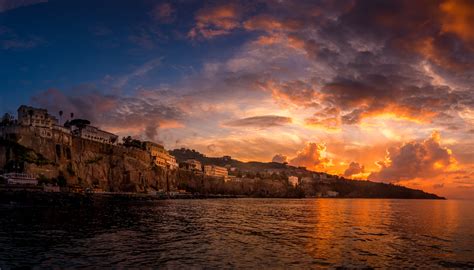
[258, 182]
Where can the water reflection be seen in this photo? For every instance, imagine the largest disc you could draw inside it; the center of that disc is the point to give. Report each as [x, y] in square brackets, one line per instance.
[241, 233]
[359, 233]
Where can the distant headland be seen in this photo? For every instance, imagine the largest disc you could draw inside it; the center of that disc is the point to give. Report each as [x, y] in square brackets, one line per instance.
[39, 153]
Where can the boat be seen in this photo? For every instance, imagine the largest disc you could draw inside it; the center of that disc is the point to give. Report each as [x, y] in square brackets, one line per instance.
[20, 179]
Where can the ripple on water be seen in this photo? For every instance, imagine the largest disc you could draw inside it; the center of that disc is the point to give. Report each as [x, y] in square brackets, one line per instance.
[240, 233]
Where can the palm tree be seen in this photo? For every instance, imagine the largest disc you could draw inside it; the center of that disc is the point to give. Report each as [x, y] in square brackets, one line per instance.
[60, 117]
[72, 115]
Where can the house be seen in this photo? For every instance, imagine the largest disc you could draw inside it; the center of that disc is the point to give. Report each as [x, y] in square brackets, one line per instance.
[192, 165]
[36, 117]
[293, 180]
[215, 171]
[92, 133]
[161, 157]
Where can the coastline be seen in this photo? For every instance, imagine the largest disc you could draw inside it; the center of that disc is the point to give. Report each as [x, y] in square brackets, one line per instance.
[24, 197]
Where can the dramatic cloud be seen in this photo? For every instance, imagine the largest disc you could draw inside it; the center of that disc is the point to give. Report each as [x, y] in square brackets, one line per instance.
[354, 168]
[312, 156]
[415, 159]
[264, 121]
[361, 76]
[125, 115]
[279, 158]
[458, 18]
[295, 92]
[328, 118]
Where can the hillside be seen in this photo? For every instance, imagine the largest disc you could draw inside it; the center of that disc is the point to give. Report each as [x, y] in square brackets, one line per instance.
[269, 179]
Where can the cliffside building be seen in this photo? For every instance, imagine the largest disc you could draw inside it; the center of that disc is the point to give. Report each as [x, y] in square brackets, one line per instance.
[30, 116]
[161, 157]
[94, 134]
[191, 165]
[293, 180]
[216, 171]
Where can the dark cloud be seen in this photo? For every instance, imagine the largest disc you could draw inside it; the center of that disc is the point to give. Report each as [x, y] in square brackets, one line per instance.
[413, 59]
[264, 121]
[328, 117]
[354, 168]
[144, 114]
[296, 92]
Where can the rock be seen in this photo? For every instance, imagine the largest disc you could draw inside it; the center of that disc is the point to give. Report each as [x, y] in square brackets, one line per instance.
[83, 162]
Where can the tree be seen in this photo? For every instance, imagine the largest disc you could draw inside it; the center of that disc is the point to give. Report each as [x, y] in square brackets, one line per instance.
[72, 115]
[7, 120]
[80, 123]
[130, 142]
[127, 141]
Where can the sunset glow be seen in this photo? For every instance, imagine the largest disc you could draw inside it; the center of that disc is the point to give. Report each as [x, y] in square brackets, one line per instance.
[381, 90]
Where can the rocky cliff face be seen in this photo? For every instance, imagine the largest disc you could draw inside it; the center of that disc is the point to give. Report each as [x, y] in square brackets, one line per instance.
[82, 162]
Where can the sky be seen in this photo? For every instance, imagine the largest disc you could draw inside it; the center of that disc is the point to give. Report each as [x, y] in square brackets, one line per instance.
[378, 90]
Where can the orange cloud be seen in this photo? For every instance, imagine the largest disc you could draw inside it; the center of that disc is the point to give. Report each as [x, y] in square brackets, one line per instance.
[458, 18]
[271, 24]
[398, 112]
[313, 156]
[354, 169]
[268, 40]
[328, 118]
[215, 21]
[414, 160]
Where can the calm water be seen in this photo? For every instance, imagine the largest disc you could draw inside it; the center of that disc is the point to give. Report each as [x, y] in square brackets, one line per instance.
[241, 233]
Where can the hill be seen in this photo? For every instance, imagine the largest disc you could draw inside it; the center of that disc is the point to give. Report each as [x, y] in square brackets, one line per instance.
[270, 179]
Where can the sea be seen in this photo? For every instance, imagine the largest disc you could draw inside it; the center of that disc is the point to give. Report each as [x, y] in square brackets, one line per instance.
[240, 234]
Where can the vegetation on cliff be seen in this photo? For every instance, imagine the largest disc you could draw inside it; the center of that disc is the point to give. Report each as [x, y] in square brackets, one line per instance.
[256, 181]
[129, 168]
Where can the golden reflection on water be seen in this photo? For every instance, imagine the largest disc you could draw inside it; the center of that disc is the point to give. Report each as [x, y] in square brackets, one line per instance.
[382, 231]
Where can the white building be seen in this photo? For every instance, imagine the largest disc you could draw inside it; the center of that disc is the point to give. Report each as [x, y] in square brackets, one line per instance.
[161, 157]
[293, 180]
[30, 116]
[20, 179]
[215, 171]
[94, 134]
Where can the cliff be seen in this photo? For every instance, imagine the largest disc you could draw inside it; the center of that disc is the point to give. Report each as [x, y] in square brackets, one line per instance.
[55, 155]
